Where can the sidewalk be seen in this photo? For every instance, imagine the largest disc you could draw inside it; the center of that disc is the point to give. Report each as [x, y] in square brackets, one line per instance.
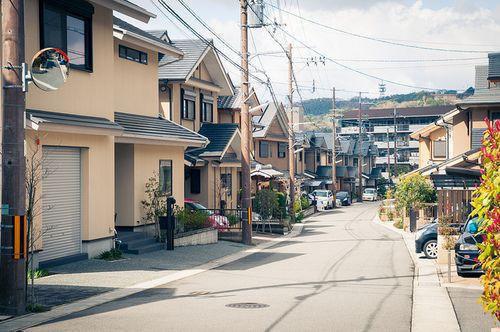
[432, 308]
[82, 285]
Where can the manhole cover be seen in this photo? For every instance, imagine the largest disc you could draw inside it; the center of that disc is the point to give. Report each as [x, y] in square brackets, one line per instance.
[247, 305]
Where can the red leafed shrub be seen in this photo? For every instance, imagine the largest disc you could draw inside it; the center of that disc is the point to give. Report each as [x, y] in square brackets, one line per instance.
[486, 205]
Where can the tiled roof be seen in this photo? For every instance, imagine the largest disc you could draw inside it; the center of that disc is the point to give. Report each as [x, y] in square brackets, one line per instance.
[227, 102]
[38, 117]
[155, 127]
[129, 27]
[382, 113]
[482, 96]
[219, 135]
[172, 68]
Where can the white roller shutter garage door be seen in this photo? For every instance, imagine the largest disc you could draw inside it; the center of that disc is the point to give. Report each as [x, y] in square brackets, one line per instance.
[61, 198]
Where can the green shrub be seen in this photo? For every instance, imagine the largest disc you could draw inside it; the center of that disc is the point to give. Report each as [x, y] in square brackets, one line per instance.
[188, 220]
[282, 208]
[266, 203]
[304, 202]
[233, 219]
[110, 255]
[299, 217]
[36, 308]
[297, 206]
[38, 273]
[390, 216]
[414, 190]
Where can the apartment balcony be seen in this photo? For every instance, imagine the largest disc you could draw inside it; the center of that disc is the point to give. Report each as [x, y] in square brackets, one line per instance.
[409, 160]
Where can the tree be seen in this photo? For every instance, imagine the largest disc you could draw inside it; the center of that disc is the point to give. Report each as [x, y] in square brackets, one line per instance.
[412, 191]
[155, 203]
[36, 172]
[486, 204]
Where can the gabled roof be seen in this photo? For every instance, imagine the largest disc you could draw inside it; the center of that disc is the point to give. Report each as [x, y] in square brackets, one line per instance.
[123, 29]
[234, 101]
[127, 8]
[220, 136]
[265, 121]
[195, 52]
[147, 127]
[469, 156]
[431, 127]
[482, 97]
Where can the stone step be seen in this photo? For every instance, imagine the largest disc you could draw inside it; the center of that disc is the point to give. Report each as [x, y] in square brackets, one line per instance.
[135, 244]
[131, 236]
[144, 249]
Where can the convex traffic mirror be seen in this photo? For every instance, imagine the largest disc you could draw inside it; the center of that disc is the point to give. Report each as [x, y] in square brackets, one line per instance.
[50, 69]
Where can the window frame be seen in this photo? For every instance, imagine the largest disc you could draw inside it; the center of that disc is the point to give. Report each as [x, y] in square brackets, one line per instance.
[187, 99]
[125, 57]
[261, 154]
[282, 145]
[443, 156]
[80, 10]
[226, 181]
[161, 174]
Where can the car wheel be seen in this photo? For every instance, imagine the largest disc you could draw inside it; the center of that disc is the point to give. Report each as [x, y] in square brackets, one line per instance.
[431, 249]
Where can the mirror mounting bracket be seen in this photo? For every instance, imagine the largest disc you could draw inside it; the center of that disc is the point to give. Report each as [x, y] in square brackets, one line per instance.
[25, 76]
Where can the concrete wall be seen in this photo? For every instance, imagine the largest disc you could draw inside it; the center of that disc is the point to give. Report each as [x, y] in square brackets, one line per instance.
[278, 163]
[85, 93]
[197, 238]
[135, 85]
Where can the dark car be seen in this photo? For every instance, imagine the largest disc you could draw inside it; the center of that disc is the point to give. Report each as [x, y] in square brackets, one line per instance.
[426, 240]
[344, 197]
[466, 250]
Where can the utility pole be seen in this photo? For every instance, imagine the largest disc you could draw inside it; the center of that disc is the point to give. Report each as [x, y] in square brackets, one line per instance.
[395, 172]
[334, 151]
[12, 262]
[291, 150]
[360, 155]
[388, 156]
[246, 200]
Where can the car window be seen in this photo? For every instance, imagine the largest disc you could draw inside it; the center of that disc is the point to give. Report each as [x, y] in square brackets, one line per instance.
[369, 191]
[320, 193]
[341, 194]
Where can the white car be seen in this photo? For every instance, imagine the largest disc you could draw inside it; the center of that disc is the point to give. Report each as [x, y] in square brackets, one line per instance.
[324, 199]
[370, 194]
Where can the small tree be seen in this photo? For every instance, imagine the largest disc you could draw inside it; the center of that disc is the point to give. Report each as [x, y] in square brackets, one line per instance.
[486, 203]
[412, 191]
[155, 203]
[266, 203]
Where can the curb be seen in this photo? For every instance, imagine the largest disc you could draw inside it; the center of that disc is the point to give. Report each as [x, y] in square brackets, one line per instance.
[431, 303]
[29, 320]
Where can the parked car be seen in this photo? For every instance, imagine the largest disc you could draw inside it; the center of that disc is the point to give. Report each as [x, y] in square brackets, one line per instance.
[370, 194]
[216, 220]
[344, 197]
[466, 250]
[324, 198]
[426, 240]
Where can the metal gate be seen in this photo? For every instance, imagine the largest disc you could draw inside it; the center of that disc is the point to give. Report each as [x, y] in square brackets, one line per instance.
[61, 200]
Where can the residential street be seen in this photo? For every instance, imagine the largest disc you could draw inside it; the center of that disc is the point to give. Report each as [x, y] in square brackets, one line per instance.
[343, 273]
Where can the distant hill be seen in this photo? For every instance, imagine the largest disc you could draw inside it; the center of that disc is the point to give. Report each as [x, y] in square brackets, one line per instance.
[321, 106]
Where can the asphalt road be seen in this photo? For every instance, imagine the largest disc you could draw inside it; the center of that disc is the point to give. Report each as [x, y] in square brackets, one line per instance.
[343, 273]
[470, 314]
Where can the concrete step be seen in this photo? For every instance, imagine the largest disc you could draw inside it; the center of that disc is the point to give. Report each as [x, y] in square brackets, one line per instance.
[144, 249]
[135, 244]
[131, 236]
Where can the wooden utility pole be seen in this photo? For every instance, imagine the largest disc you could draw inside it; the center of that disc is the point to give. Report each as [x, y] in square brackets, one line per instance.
[12, 262]
[291, 150]
[334, 151]
[246, 199]
[360, 155]
[395, 172]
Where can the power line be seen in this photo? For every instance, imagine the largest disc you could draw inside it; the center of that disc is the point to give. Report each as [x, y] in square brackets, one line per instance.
[380, 40]
[350, 68]
[388, 60]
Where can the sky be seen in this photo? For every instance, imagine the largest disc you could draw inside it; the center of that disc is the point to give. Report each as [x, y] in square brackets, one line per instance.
[463, 25]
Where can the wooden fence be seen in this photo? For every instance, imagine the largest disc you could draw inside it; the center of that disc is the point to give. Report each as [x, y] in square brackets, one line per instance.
[454, 203]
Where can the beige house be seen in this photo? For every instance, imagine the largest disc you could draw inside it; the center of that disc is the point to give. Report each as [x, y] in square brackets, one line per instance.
[189, 88]
[454, 140]
[99, 137]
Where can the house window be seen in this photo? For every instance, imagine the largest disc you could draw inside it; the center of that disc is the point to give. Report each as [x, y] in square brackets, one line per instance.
[133, 55]
[166, 177]
[355, 162]
[264, 149]
[318, 157]
[195, 181]
[281, 150]
[68, 26]
[330, 158]
[300, 155]
[226, 183]
[188, 105]
[439, 149]
[207, 109]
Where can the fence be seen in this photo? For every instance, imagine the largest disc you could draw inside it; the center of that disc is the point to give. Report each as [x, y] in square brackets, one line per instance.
[455, 203]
